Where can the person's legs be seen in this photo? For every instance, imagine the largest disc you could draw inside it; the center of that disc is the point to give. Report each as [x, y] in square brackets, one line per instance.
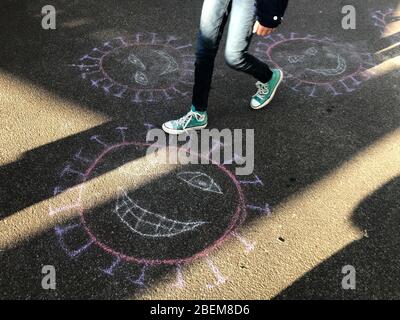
[237, 55]
[213, 18]
[239, 37]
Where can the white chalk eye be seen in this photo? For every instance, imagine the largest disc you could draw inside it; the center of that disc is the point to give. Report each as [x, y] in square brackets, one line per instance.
[311, 51]
[136, 61]
[296, 58]
[141, 78]
[200, 181]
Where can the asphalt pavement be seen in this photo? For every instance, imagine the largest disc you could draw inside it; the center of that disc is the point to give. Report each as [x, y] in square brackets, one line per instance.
[77, 102]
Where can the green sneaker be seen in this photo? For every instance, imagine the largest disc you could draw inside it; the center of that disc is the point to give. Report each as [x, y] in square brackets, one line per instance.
[193, 120]
[266, 91]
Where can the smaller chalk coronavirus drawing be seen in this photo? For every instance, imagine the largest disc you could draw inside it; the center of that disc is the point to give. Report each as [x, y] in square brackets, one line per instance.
[138, 215]
[383, 20]
[144, 67]
[316, 66]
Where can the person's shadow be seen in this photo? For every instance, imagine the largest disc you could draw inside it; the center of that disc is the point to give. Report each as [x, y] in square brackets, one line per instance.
[375, 257]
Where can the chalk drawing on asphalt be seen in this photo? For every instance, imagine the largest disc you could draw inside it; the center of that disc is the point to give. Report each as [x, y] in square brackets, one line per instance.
[316, 66]
[147, 223]
[144, 67]
[200, 180]
[157, 238]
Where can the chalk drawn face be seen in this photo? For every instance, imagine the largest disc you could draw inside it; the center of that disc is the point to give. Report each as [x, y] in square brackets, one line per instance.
[316, 66]
[309, 61]
[143, 67]
[316, 62]
[166, 218]
[132, 217]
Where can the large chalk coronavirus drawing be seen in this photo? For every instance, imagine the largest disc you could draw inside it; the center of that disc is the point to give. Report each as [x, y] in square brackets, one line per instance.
[316, 66]
[145, 215]
[144, 67]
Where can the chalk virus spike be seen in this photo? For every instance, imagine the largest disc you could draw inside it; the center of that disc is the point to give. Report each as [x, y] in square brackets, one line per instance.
[97, 139]
[234, 158]
[83, 67]
[140, 281]
[256, 181]
[171, 39]
[137, 37]
[122, 41]
[331, 88]
[180, 282]
[78, 156]
[296, 86]
[186, 82]
[150, 97]
[85, 75]
[346, 87]
[280, 36]
[183, 94]
[310, 36]
[220, 279]
[136, 98]
[122, 131]
[98, 50]
[270, 38]
[216, 146]
[96, 82]
[154, 40]
[69, 170]
[189, 45]
[249, 245]
[266, 210]
[72, 253]
[57, 190]
[70, 207]
[166, 95]
[121, 91]
[313, 90]
[107, 88]
[149, 126]
[89, 57]
[262, 44]
[107, 44]
[110, 270]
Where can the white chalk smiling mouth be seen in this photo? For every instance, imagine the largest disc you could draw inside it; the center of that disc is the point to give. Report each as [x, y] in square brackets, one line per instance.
[341, 68]
[147, 223]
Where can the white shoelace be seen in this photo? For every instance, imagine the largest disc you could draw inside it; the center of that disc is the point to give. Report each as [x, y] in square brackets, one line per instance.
[184, 121]
[263, 88]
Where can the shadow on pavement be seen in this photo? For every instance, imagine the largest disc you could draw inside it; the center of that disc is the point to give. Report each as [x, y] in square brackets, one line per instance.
[300, 139]
[374, 257]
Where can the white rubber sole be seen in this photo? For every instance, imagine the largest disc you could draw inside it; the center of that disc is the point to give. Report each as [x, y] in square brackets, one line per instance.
[271, 97]
[173, 131]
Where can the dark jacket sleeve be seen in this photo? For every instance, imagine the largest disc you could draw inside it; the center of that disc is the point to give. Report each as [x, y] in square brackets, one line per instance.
[270, 12]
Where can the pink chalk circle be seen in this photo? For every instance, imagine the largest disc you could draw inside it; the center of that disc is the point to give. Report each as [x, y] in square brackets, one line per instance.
[237, 219]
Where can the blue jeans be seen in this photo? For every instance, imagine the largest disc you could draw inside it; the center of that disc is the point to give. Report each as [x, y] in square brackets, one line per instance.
[213, 19]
